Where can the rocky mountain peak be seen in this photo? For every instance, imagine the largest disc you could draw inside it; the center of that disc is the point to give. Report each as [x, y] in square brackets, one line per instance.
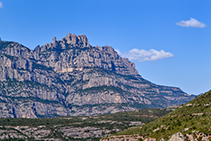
[37, 48]
[62, 77]
[54, 39]
[75, 52]
[73, 39]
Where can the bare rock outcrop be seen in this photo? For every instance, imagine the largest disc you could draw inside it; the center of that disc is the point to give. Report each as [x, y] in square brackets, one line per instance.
[177, 137]
[61, 77]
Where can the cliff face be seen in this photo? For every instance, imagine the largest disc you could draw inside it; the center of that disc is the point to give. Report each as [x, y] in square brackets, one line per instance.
[71, 77]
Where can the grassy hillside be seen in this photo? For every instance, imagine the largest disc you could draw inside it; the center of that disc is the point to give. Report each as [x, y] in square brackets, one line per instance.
[193, 118]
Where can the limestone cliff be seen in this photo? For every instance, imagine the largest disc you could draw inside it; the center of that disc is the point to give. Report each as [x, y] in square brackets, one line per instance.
[71, 77]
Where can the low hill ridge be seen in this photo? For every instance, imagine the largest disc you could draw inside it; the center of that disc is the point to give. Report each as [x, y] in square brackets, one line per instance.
[190, 121]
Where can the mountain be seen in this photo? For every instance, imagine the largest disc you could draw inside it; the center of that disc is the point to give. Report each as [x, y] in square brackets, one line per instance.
[190, 121]
[69, 77]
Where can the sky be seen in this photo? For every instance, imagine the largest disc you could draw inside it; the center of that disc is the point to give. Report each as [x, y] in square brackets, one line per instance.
[168, 40]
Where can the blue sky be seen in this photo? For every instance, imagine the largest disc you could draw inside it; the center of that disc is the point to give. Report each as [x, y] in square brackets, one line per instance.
[168, 40]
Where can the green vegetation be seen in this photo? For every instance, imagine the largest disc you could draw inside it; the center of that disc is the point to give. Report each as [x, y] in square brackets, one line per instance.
[5, 86]
[187, 118]
[15, 139]
[143, 115]
[42, 67]
[135, 79]
[120, 121]
[5, 44]
[13, 58]
[104, 88]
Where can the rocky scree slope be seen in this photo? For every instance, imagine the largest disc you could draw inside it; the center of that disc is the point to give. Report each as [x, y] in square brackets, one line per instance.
[71, 77]
[190, 121]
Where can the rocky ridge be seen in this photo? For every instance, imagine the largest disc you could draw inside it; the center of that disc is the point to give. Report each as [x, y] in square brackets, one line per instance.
[71, 77]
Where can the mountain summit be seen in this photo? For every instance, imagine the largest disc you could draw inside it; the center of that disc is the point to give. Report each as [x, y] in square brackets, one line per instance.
[71, 77]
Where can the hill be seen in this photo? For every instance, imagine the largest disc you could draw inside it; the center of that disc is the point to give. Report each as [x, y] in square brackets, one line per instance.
[189, 121]
[69, 77]
[79, 128]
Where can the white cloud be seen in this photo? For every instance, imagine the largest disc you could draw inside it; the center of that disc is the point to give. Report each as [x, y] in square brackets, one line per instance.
[1, 5]
[191, 23]
[144, 55]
